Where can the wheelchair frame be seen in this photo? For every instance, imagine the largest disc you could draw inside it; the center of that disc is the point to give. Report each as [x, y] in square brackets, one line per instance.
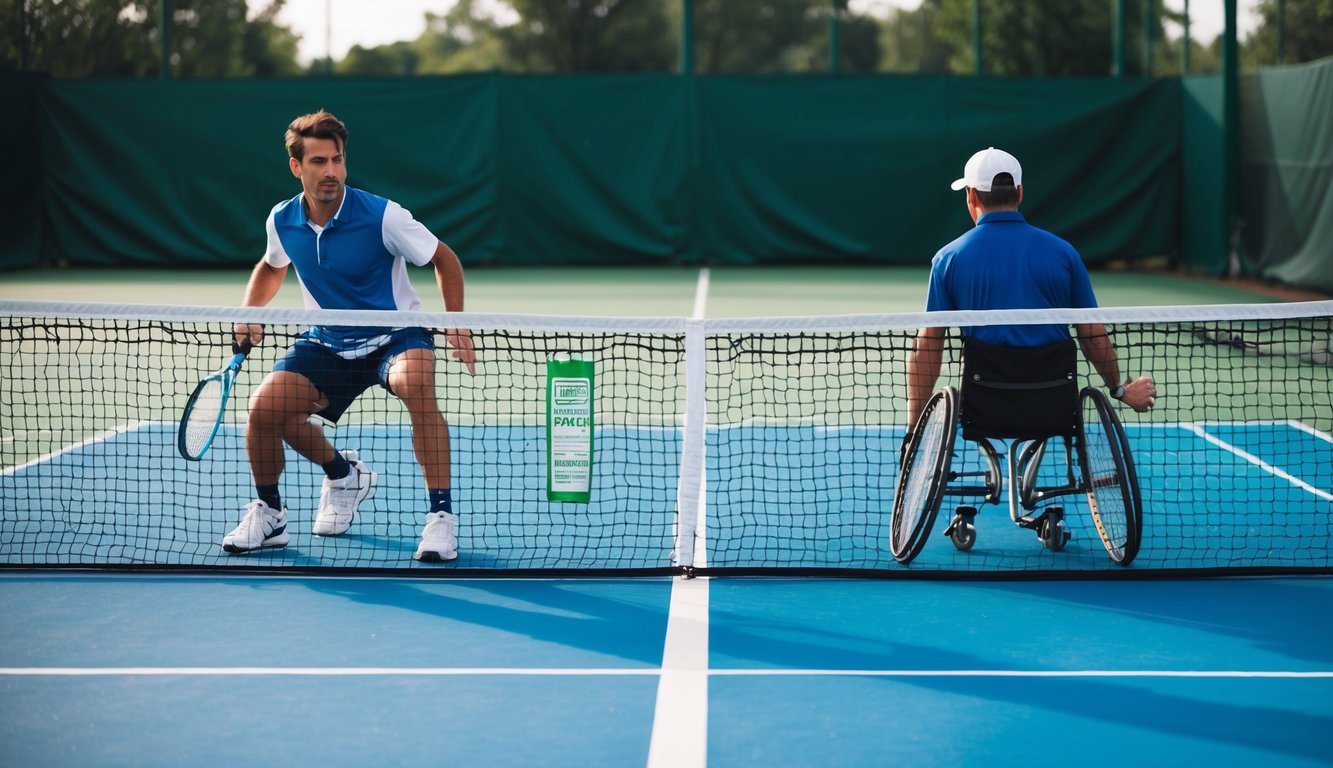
[1105, 470]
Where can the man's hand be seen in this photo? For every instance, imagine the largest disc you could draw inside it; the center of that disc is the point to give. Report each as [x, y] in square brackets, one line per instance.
[248, 335]
[1140, 394]
[461, 340]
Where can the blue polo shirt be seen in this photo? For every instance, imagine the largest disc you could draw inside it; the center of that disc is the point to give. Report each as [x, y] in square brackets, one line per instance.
[1006, 263]
[357, 260]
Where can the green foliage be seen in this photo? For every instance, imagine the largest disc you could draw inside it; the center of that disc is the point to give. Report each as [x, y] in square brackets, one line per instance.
[858, 47]
[1026, 38]
[465, 39]
[589, 36]
[536, 36]
[78, 38]
[122, 38]
[910, 43]
[269, 48]
[1307, 33]
[733, 36]
[395, 59]
[1050, 38]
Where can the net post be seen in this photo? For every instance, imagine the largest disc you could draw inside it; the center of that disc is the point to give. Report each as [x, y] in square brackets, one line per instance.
[690, 489]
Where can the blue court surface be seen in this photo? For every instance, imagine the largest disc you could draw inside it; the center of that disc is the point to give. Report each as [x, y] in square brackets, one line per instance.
[157, 670]
[414, 668]
[1256, 494]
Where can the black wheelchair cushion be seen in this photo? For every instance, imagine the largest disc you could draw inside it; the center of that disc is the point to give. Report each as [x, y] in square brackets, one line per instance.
[1022, 393]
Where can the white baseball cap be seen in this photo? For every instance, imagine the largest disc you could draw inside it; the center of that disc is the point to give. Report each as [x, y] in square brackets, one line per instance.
[985, 165]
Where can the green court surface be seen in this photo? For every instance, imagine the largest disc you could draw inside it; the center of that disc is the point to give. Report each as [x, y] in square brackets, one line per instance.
[645, 291]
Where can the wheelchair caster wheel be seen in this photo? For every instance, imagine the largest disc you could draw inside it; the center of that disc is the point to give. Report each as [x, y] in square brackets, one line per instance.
[964, 535]
[961, 531]
[1052, 531]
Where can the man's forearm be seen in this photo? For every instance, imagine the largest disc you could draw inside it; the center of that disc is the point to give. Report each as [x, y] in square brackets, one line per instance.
[923, 368]
[449, 277]
[263, 285]
[1099, 351]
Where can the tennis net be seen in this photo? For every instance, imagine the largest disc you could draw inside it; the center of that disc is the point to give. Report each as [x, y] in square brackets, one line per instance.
[716, 446]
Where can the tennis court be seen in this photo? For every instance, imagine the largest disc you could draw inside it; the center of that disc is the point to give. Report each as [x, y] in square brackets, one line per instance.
[123, 668]
[509, 516]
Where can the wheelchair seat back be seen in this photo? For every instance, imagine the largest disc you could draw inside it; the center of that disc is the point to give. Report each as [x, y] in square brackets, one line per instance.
[1023, 393]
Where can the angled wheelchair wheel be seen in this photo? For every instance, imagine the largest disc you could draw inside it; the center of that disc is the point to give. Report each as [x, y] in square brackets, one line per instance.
[923, 475]
[1109, 478]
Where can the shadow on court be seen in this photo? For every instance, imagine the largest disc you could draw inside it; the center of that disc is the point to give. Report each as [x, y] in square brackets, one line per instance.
[618, 619]
[1038, 627]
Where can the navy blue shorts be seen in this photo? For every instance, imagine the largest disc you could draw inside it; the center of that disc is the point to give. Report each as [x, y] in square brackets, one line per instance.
[341, 380]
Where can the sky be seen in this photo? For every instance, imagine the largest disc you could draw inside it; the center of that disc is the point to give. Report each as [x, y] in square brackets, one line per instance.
[336, 25]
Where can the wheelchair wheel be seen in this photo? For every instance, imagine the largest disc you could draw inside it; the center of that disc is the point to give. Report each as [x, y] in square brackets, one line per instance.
[1109, 478]
[923, 474]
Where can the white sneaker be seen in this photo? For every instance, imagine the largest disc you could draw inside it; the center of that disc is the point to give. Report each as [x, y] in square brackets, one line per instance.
[439, 539]
[262, 527]
[338, 498]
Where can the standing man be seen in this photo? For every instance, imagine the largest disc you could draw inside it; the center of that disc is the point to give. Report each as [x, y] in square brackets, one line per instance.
[350, 249]
[1006, 263]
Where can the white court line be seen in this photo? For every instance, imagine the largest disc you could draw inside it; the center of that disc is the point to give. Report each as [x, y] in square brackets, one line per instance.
[700, 294]
[680, 720]
[1309, 430]
[1328, 674]
[697, 669]
[1258, 462]
[680, 717]
[319, 671]
[103, 436]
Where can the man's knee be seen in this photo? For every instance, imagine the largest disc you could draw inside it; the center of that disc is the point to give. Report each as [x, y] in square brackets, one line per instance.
[412, 379]
[418, 394]
[283, 397]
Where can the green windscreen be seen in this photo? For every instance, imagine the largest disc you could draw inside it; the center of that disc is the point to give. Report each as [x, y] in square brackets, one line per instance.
[607, 170]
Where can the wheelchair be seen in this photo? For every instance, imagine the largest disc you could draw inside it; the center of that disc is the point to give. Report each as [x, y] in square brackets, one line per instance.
[1002, 399]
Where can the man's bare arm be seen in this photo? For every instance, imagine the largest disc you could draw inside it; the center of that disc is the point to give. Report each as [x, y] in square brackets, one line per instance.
[923, 368]
[1141, 393]
[264, 283]
[449, 277]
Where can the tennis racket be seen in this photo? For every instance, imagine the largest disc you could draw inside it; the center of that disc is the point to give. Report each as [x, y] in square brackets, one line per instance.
[203, 413]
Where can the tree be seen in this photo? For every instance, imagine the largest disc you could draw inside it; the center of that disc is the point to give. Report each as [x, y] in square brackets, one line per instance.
[1307, 33]
[206, 38]
[858, 46]
[909, 42]
[625, 36]
[121, 38]
[77, 38]
[1168, 58]
[463, 39]
[1040, 37]
[269, 47]
[589, 36]
[466, 39]
[395, 59]
[736, 36]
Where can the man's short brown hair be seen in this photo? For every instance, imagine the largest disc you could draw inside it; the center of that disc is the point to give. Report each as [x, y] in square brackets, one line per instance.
[1002, 194]
[316, 125]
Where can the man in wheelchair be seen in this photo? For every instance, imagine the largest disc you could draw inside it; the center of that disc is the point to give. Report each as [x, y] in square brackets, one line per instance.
[1019, 381]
